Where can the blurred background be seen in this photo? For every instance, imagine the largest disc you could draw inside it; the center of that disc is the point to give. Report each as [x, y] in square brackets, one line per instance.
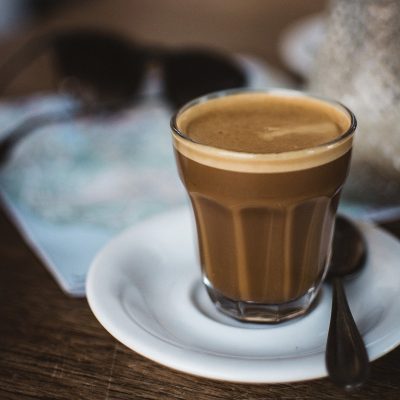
[90, 170]
[253, 27]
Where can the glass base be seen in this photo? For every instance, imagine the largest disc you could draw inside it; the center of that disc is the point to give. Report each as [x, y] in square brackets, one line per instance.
[247, 311]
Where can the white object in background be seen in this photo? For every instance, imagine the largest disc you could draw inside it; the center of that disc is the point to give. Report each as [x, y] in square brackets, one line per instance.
[300, 42]
[368, 85]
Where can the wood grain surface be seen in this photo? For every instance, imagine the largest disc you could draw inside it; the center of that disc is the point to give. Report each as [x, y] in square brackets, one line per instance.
[52, 347]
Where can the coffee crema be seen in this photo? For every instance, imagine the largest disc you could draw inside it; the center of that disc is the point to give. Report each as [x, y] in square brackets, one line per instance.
[254, 132]
[264, 173]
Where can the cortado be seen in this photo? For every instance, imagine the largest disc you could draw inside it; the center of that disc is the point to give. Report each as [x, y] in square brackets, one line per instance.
[264, 171]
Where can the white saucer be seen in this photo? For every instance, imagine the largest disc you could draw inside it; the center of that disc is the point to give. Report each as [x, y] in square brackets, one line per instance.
[144, 288]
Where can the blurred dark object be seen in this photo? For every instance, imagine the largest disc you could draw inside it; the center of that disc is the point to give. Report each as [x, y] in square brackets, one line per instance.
[190, 73]
[112, 67]
[100, 66]
[106, 71]
[106, 66]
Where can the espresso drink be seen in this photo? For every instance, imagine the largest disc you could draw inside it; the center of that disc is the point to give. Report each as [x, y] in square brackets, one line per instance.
[264, 173]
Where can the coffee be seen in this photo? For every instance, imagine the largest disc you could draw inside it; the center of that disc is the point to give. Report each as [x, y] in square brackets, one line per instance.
[260, 123]
[264, 173]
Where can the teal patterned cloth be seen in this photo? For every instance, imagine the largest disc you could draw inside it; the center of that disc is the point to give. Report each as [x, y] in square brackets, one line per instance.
[95, 175]
[104, 172]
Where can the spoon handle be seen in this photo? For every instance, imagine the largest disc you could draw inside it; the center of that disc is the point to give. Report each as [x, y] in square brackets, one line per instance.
[346, 356]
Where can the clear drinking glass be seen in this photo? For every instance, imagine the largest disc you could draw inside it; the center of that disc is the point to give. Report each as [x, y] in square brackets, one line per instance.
[264, 221]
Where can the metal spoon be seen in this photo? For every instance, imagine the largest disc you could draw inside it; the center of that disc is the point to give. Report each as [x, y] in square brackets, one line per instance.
[346, 356]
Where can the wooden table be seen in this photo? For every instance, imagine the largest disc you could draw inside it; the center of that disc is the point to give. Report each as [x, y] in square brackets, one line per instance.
[52, 347]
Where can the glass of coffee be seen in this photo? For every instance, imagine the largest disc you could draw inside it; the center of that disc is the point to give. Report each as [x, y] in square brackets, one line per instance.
[264, 171]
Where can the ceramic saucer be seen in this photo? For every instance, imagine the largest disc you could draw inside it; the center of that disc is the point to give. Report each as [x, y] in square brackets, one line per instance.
[144, 288]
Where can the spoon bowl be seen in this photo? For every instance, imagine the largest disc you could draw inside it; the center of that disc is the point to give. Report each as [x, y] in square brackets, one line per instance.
[349, 249]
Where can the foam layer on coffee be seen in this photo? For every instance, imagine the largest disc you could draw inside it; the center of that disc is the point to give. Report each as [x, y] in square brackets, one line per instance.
[259, 132]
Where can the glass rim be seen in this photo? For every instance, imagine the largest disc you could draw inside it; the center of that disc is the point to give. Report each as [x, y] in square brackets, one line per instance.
[284, 92]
